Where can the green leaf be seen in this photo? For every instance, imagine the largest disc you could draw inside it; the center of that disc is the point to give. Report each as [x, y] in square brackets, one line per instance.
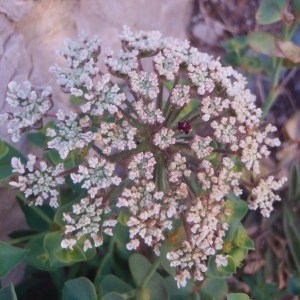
[230, 268]
[188, 109]
[270, 11]
[163, 259]
[140, 267]
[214, 288]
[8, 293]
[237, 296]
[237, 207]
[38, 139]
[57, 255]
[3, 149]
[262, 42]
[175, 292]
[169, 85]
[242, 239]
[37, 255]
[112, 296]
[79, 289]
[34, 219]
[77, 100]
[10, 257]
[111, 283]
[105, 268]
[8, 152]
[121, 238]
[238, 255]
[265, 43]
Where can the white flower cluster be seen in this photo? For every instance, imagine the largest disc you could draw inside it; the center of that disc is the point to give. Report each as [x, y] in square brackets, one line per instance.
[97, 176]
[141, 166]
[81, 64]
[144, 85]
[180, 95]
[149, 219]
[141, 41]
[124, 63]
[164, 138]
[38, 183]
[113, 136]
[103, 97]
[200, 146]
[88, 220]
[72, 133]
[147, 112]
[207, 226]
[32, 104]
[178, 168]
[263, 197]
[219, 181]
[178, 163]
[167, 63]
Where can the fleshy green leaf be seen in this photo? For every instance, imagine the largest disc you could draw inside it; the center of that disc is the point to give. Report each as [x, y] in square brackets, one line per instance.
[10, 257]
[112, 296]
[237, 207]
[270, 11]
[140, 267]
[230, 268]
[34, 214]
[8, 293]
[59, 256]
[38, 139]
[262, 42]
[238, 255]
[237, 296]
[112, 283]
[37, 255]
[265, 43]
[3, 149]
[214, 272]
[214, 288]
[242, 239]
[79, 289]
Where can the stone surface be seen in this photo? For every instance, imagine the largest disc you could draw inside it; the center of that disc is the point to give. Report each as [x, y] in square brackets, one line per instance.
[31, 31]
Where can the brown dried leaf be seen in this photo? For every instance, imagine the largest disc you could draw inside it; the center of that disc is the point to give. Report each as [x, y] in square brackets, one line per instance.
[292, 127]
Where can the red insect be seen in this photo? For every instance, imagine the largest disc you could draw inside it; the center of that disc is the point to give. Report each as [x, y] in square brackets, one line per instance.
[184, 126]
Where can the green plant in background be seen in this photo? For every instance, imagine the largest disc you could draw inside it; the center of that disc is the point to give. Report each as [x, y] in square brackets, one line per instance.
[271, 49]
[166, 167]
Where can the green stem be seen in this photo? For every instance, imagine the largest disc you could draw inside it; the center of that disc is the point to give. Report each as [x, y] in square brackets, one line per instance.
[41, 214]
[24, 238]
[159, 102]
[73, 271]
[151, 272]
[273, 93]
[118, 157]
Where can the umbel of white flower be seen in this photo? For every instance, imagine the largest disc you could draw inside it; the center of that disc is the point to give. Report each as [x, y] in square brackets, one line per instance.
[167, 148]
